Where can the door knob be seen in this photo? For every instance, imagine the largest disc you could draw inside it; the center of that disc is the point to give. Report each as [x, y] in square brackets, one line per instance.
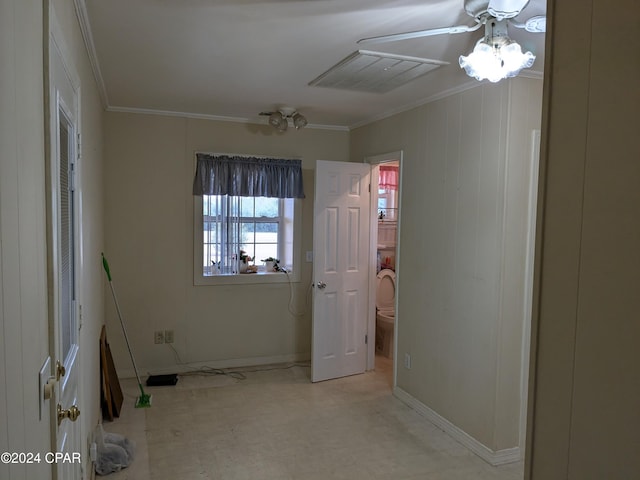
[72, 413]
[321, 285]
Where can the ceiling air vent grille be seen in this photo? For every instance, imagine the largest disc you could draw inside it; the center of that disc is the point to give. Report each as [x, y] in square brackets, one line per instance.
[375, 72]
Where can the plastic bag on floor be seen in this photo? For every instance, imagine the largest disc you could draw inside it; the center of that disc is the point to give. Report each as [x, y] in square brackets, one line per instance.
[114, 451]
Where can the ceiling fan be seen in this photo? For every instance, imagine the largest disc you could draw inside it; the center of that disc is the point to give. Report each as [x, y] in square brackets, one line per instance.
[495, 56]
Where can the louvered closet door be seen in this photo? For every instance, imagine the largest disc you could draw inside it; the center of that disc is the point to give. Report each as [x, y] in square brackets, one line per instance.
[65, 243]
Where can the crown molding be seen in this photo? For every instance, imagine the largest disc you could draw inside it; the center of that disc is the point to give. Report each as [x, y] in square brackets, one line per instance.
[218, 118]
[535, 74]
[418, 103]
[438, 96]
[87, 35]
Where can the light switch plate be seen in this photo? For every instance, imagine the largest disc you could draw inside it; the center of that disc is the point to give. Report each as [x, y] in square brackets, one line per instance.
[45, 374]
[309, 256]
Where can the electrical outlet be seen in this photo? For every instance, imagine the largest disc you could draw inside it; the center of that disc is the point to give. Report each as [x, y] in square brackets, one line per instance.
[158, 337]
[168, 336]
[407, 361]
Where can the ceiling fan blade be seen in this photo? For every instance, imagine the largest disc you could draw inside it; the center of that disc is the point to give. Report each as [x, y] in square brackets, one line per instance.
[537, 24]
[502, 9]
[420, 33]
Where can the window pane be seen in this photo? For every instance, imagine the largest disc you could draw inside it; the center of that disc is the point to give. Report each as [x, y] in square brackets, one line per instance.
[267, 207]
[246, 206]
[247, 232]
[210, 231]
[267, 227]
[233, 206]
[258, 231]
[268, 236]
[210, 205]
[264, 251]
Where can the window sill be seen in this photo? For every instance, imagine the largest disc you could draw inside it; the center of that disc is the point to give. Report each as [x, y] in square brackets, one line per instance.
[247, 278]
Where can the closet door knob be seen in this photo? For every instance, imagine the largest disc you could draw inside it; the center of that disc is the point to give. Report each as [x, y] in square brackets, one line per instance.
[72, 413]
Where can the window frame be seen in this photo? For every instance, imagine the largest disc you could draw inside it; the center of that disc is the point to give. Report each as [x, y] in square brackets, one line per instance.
[261, 277]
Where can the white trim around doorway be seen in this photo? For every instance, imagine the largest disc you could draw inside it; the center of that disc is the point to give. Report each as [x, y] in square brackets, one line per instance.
[375, 160]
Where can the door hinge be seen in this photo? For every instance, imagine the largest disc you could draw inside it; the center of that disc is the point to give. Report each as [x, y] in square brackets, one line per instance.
[369, 188]
[78, 146]
[366, 339]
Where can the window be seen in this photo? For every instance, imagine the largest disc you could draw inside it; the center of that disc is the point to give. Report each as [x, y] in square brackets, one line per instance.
[388, 180]
[245, 212]
[387, 209]
[233, 227]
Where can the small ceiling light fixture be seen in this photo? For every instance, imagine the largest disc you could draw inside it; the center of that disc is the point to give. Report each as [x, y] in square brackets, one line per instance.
[276, 119]
[496, 56]
[280, 119]
[299, 121]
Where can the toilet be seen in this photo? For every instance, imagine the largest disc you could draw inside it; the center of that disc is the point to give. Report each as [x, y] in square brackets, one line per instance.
[385, 311]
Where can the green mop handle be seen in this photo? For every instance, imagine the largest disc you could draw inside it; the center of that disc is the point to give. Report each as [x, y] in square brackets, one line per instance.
[105, 264]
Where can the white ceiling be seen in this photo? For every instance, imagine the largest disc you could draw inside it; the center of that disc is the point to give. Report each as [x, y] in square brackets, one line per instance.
[236, 58]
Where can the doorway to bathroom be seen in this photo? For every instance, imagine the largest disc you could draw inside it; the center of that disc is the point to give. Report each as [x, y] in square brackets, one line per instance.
[383, 284]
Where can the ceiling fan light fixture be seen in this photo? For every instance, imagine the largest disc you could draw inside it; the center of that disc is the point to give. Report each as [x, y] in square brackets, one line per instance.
[501, 59]
[501, 9]
[514, 59]
[537, 24]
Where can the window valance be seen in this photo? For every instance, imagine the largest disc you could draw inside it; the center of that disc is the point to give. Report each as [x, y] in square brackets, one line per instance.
[389, 177]
[242, 176]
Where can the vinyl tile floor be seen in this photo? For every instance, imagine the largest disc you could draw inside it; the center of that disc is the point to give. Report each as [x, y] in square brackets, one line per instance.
[276, 425]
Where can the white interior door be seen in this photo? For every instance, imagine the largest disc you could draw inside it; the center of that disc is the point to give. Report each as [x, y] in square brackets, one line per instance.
[64, 253]
[340, 269]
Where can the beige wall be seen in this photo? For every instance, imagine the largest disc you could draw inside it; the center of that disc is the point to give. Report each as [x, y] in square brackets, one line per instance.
[464, 208]
[149, 243]
[585, 414]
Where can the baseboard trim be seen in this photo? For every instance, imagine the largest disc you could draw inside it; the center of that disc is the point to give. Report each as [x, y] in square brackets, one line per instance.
[230, 363]
[495, 458]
